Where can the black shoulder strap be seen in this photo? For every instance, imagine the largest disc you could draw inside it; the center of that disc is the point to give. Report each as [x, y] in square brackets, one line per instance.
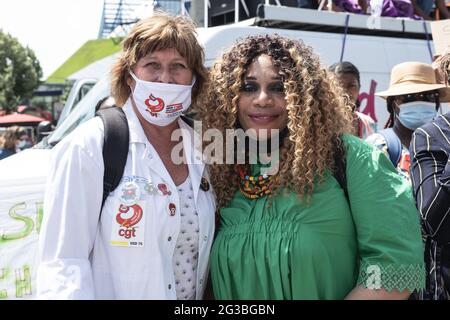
[115, 148]
[340, 165]
[188, 119]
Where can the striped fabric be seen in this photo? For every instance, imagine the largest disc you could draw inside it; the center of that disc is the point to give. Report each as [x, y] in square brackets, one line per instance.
[430, 175]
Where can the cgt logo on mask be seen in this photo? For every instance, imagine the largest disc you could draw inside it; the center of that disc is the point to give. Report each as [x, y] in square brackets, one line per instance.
[154, 105]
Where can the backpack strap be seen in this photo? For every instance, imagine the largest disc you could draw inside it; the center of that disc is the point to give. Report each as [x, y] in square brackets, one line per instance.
[394, 145]
[340, 165]
[115, 148]
[188, 119]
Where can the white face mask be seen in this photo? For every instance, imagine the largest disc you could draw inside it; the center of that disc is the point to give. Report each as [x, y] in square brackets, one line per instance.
[161, 103]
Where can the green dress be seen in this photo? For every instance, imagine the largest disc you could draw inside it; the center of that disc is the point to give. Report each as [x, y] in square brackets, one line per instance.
[287, 249]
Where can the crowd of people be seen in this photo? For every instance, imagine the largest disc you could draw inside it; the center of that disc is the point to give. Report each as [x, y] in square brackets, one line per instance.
[14, 139]
[413, 9]
[326, 215]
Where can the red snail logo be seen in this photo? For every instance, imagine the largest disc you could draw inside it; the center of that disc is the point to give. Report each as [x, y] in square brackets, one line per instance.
[129, 222]
[154, 104]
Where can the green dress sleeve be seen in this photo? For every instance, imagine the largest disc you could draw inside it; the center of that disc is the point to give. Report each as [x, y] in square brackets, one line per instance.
[386, 221]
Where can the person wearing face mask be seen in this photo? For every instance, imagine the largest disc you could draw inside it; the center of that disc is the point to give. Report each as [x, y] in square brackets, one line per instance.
[348, 76]
[412, 100]
[13, 140]
[24, 142]
[152, 237]
[430, 175]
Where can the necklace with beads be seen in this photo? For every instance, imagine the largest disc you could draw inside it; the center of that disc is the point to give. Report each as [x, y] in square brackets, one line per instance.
[254, 187]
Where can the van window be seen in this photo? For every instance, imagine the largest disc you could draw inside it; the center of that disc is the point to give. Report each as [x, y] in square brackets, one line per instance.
[82, 112]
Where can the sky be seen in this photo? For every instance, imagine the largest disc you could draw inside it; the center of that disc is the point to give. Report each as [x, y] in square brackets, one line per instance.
[53, 29]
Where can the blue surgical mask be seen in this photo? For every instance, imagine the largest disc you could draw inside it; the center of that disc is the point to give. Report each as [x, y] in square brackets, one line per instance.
[417, 113]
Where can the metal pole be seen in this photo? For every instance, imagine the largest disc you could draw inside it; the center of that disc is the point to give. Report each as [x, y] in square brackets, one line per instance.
[428, 40]
[236, 11]
[183, 8]
[205, 13]
[347, 19]
[197, 12]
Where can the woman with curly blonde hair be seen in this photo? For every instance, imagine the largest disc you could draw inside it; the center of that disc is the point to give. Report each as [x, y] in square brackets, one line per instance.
[295, 233]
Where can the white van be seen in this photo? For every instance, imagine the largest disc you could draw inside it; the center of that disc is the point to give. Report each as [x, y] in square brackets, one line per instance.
[373, 51]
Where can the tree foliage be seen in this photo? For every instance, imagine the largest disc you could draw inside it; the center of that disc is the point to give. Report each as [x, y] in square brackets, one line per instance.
[20, 72]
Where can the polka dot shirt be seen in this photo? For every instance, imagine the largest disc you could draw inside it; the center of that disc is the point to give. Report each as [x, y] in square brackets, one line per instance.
[186, 249]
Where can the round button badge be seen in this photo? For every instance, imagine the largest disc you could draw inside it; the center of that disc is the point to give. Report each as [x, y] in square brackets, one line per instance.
[149, 187]
[130, 193]
[172, 209]
[204, 184]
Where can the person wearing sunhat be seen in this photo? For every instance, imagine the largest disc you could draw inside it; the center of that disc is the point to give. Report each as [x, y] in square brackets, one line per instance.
[412, 100]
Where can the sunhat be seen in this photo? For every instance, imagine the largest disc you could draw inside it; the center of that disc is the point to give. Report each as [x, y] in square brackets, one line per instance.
[411, 77]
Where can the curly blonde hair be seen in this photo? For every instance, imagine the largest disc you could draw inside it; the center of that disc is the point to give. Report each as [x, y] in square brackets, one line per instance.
[158, 32]
[318, 112]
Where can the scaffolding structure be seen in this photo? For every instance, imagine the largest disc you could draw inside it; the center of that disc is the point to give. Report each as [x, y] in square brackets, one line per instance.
[119, 13]
[124, 13]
